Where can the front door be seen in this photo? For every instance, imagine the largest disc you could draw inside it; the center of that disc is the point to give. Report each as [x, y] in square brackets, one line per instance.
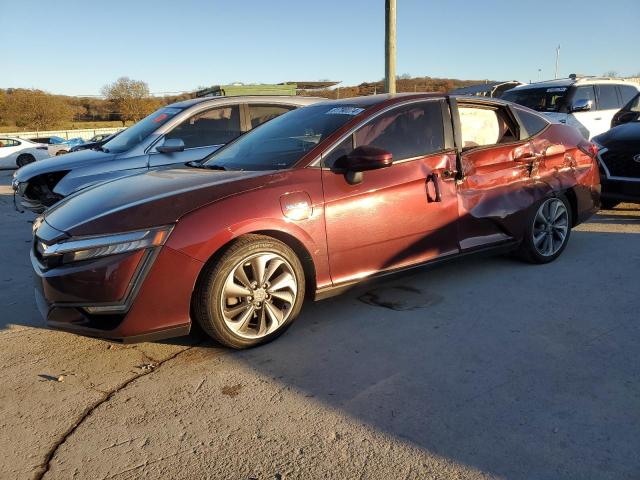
[202, 133]
[400, 215]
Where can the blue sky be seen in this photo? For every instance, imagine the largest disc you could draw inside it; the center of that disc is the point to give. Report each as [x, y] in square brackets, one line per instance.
[75, 47]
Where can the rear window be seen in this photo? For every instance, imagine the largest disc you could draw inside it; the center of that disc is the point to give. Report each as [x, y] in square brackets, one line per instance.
[627, 92]
[607, 97]
[548, 99]
[531, 122]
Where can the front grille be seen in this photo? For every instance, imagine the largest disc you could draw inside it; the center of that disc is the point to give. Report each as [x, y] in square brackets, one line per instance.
[621, 164]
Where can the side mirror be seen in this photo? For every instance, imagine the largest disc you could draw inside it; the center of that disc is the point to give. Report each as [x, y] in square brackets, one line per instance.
[581, 105]
[171, 145]
[362, 159]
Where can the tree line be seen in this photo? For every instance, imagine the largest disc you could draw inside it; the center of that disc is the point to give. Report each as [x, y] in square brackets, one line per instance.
[128, 100]
[125, 100]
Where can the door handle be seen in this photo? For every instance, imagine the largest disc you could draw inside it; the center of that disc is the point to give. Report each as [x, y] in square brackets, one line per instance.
[433, 177]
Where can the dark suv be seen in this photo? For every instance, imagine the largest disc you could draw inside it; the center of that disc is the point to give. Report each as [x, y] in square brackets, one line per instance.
[619, 156]
[176, 134]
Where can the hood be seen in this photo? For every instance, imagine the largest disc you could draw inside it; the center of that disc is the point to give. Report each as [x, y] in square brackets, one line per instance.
[154, 198]
[627, 134]
[61, 163]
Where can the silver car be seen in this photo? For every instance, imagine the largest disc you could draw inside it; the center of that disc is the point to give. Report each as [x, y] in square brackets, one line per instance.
[176, 134]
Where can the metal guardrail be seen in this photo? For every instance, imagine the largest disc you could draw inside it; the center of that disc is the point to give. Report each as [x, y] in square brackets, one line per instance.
[84, 133]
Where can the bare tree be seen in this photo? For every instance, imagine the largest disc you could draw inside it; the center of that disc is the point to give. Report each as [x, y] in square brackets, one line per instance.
[131, 98]
[611, 73]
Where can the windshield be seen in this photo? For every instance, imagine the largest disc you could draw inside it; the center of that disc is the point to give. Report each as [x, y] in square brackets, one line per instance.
[550, 99]
[281, 142]
[133, 135]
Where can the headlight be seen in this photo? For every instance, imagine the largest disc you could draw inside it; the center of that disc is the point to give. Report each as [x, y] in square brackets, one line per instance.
[84, 248]
[36, 223]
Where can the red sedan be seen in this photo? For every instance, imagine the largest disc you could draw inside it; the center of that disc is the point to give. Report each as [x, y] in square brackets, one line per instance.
[307, 205]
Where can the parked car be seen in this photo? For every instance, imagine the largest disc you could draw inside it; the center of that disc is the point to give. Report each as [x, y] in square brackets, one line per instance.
[619, 158]
[17, 152]
[61, 148]
[95, 142]
[587, 103]
[629, 113]
[310, 204]
[176, 134]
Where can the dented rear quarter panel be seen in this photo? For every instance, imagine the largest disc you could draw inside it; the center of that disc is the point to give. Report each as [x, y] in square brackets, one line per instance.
[496, 194]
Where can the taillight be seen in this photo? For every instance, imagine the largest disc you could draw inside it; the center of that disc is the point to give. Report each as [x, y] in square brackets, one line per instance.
[588, 148]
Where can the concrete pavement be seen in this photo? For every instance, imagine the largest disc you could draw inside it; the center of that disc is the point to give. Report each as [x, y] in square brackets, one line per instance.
[482, 368]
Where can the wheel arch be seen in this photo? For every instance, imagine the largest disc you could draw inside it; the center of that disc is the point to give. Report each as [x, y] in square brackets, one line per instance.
[292, 242]
[573, 203]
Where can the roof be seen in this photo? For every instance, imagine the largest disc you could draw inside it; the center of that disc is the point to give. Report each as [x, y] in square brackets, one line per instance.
[367, 101]
[288, 99]
[482, 88]
[313, 85]
[567, 82]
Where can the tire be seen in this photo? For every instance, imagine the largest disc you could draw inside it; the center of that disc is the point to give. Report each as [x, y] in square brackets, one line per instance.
[24, 159]
[535, 246]
[232, 308]
[608, 204]
[60, 152]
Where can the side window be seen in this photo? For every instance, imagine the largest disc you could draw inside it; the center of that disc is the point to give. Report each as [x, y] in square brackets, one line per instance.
[607, 97]
[627, 92]
[484, 126]
[262, 113]
[409, 131]
[635, 105]
[7, 142]
[343, 148]
[212, 127]
[585, 93]
[531, 122]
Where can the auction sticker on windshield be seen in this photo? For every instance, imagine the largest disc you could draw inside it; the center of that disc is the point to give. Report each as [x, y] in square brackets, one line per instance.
[345, 111]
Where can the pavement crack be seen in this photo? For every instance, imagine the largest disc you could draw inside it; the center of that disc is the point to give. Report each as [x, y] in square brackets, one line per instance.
[46, 465]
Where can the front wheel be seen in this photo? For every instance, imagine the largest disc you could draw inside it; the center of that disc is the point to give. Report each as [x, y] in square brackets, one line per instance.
[251, 294]
[548, 231]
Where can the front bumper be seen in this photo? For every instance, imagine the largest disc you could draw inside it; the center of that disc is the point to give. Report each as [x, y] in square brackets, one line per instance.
[140, 296]
[620, 176]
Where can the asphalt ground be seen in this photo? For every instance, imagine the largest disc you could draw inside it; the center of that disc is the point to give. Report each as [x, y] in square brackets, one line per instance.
[480, 368]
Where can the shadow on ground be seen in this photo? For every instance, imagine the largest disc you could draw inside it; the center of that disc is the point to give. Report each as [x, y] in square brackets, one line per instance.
[519, 371]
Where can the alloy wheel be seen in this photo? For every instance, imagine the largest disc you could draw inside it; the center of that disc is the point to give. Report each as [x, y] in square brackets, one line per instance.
[258, 295]
[550, 227]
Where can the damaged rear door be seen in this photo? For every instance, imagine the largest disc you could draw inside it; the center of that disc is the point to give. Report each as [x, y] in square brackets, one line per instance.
[496, 186]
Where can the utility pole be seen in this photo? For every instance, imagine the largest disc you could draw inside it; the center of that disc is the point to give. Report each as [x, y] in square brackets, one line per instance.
[557, 60]
[390, 46]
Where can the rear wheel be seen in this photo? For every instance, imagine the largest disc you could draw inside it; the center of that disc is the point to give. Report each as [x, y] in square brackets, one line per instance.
[548, 231]
[251, 294]
[24, 159]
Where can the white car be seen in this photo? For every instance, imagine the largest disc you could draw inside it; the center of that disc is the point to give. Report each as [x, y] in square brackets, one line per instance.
[587, 103]
[17, 152]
